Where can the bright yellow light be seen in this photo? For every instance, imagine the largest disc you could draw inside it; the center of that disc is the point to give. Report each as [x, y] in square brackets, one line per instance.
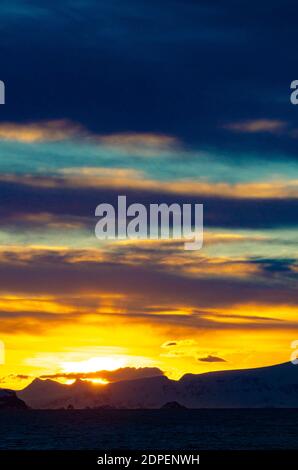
[93, 364]
[97, 381]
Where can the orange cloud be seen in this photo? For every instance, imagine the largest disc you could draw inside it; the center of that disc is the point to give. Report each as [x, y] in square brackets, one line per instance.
[40, 131]
[257, 126]
[147, 144]
[137, 144]
[123, 178]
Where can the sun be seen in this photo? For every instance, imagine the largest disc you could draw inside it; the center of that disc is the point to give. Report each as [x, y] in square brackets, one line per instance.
[97, 381]
[93, 364]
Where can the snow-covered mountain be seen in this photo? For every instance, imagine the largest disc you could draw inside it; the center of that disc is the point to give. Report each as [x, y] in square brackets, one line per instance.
[275, 386]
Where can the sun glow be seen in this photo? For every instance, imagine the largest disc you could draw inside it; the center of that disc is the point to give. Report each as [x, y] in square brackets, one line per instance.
[93, 364]
[97, 381]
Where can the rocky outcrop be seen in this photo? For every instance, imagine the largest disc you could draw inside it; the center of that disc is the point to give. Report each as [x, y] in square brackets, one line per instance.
[9, 400]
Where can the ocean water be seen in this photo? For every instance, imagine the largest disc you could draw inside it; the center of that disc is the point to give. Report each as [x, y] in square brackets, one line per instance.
[149, 429]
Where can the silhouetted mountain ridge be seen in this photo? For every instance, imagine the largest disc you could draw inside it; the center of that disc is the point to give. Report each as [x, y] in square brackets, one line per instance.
[273, 386]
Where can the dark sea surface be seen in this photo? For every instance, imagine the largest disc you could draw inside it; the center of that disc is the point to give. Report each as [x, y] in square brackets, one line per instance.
[149, 429]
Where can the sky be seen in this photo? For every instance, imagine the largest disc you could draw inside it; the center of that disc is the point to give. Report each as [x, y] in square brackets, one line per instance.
[176, 102]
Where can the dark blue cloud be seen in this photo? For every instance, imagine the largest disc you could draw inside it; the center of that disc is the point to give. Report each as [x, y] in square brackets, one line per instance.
[19, 200]
[179, 67]
[286, 266]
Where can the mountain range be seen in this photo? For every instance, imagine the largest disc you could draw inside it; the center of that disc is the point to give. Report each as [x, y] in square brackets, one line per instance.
[267, 387]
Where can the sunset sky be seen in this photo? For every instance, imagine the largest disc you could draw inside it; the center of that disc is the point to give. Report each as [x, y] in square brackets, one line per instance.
[172, 101]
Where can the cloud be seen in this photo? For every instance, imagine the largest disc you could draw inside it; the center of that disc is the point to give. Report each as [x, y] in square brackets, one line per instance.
[157, 255]
[133, 143]
[210, 358]
[44, 131]
[47, 289]
[116, 278]
[47, 292]
[272, 126]
[146, 144]
[137, 180]
[72, 197]
[276, 266]
[23, 376]
[155, 73]
[178, 343]
[125, 373]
